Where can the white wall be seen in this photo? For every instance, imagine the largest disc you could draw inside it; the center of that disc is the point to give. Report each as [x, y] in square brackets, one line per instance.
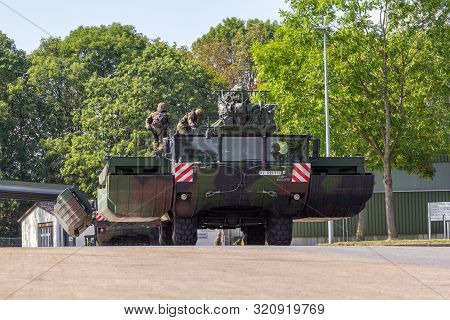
[30, 227]
[38, 215]
[90, 231]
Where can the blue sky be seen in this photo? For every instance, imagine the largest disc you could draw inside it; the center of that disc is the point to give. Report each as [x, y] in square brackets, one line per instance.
[180, 21]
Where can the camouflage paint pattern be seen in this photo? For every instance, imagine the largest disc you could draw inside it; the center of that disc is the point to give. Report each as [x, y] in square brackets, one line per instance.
[215, 190]
[74, 211]
[337, 196]
[126, 233]
[240, 187]
[135, 189]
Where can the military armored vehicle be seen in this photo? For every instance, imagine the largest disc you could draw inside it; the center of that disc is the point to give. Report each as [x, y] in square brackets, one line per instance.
[235, 173]
[241, 173]
[133, 193]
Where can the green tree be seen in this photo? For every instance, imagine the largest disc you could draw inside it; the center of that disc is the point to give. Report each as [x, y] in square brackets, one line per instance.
[60, 69]
[13, 63]
[388, 67]
[225, 50]
[112, 122]
[17, 133]
[42, 99]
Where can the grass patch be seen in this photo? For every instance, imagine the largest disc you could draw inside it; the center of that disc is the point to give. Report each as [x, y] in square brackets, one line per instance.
[417, 243]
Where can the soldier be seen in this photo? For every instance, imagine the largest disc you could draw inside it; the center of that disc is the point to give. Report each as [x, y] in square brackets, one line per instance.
[189, 121]
[218, 240]
[277, 156]
[157, 123]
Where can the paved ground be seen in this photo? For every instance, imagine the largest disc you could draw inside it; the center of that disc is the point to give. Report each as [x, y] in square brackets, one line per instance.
[225, 273]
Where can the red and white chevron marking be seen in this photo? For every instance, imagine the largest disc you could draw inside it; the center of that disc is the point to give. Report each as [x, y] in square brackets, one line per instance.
[301, 172]
[184, 172]
[99, 217]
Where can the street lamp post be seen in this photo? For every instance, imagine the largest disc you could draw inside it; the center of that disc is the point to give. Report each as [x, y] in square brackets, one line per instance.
[327, 123]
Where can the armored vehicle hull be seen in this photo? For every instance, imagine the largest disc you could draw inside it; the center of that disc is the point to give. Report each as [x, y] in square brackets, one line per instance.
[225, 200]
[224, 185]
[126, 233]
[240, 173]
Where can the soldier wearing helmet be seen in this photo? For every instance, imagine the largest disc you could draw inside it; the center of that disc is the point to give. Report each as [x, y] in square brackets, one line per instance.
[276, 154]
[189, 121]
[157, 123]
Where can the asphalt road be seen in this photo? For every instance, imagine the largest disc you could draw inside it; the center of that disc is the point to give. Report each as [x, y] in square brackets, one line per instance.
[225, 273]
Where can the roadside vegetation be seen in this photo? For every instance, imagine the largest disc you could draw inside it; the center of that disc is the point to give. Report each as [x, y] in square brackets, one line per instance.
[397, 242]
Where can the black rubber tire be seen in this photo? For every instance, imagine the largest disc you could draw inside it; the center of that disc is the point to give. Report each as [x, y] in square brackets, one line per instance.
[103, 243]
[185, 231]
[255, 235]
[154, 236]
[165, 233]
[279, 231]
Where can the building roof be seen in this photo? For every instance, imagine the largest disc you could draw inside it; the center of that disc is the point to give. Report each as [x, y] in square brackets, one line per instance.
[47, 206]
[33, 191]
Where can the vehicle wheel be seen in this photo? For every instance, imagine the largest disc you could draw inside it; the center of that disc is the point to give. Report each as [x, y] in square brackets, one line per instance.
[185, 231]
[154, 236]
[279, 231]
[255, 235]
[103, 243]
[165, 233]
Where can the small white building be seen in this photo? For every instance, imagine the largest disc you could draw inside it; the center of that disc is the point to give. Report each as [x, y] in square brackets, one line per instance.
[40, 228]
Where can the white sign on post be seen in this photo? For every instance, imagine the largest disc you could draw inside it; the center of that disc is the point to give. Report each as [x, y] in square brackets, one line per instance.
[438, 211]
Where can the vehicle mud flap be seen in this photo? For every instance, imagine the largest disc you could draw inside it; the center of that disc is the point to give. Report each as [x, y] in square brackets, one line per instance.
[137, 198]
[73, 211]
[338, 196]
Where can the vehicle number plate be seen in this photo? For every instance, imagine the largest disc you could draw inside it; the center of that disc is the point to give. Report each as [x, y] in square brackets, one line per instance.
[270, 173]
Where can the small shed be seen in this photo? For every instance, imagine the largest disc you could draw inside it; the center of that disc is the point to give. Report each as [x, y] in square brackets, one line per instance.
[40, 228]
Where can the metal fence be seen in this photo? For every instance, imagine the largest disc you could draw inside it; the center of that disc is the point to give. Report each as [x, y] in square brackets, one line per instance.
[10, 242]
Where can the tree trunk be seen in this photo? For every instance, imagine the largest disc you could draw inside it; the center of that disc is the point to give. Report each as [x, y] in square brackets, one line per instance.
[361, 230]
[389, 200]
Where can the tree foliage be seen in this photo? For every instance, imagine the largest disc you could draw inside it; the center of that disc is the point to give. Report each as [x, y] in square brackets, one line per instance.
[225, 50]
[75, 100]
[388, 75]
[17, 131]
[60, 69]
[112, 122]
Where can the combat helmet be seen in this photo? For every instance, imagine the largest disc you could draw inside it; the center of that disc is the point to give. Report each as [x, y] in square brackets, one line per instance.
[161, 107]
[198, 112]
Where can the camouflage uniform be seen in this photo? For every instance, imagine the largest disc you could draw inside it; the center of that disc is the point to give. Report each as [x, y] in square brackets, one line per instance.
[157, 123]
[189, 121]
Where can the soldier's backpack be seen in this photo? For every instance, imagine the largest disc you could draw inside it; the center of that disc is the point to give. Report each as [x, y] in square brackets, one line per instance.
[160, 120]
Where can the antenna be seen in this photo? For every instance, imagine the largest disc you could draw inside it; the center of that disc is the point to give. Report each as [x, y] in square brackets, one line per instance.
[208, 133]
